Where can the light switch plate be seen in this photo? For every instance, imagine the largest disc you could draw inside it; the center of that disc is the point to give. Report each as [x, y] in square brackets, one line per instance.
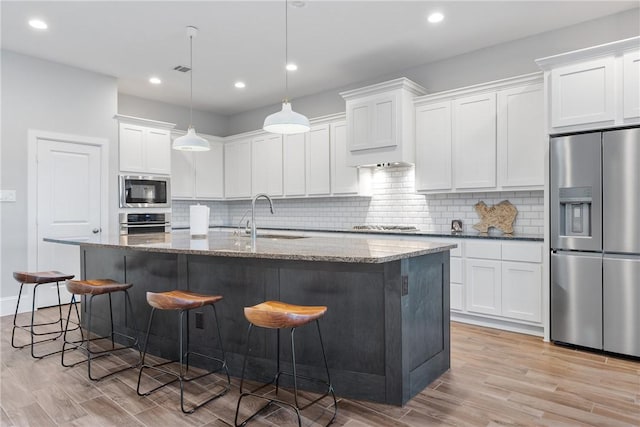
[7, 195]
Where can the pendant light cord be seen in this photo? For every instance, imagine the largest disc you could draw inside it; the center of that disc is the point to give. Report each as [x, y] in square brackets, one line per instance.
[286, 51]
[191, 81]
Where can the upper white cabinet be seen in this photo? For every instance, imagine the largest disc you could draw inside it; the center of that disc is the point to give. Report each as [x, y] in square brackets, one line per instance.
[237, 168]
[318, 160]
[433, 146]
[267, 160]
[487, 137]
[145, 146]
[521, 136]
[294, 162]
[198, 175]
[344, 178]
[380, 122]
[593, 88]
[474, 141]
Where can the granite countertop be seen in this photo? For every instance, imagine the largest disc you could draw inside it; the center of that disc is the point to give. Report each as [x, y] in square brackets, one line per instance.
[269, 246]
[492, 235]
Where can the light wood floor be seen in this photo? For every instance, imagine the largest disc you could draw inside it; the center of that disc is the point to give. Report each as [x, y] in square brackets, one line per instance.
[497, 378]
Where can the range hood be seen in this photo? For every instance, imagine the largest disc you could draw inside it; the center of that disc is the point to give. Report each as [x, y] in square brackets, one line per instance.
[380, 123]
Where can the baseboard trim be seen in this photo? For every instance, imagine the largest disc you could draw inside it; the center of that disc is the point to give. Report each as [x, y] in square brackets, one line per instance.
[498, 324]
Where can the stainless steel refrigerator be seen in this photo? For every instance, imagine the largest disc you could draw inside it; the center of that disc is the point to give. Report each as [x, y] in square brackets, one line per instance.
[595, 240]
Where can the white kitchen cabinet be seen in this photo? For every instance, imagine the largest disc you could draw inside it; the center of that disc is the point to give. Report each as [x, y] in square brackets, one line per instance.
[483, 286]
[318, 160]
[593, 88]
[267, 161]
[380, 122]
[144, 150]
[237, 168]
[521, 292]
[521, 137]
[294, 162]
[344, 178]
[583, 93]
[198, 175]
[631, 84]
[433, 146]
[487, 137]
[474, 141]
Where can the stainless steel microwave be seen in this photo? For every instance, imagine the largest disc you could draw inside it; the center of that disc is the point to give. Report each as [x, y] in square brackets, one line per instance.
[145, 191]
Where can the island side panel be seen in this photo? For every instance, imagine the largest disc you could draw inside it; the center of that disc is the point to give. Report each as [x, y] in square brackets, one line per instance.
[426, 323]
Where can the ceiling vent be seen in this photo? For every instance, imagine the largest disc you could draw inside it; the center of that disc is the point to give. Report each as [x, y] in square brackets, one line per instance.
[182, 68]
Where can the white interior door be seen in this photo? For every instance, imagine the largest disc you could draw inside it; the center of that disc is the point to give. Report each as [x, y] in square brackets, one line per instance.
[68, 205]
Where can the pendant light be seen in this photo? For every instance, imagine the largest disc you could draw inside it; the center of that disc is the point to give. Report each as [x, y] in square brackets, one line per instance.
[191, 141]
[286, 121]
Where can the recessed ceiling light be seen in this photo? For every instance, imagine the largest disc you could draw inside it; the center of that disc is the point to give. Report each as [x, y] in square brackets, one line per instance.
[436, 17]
[291, 67]
[38, 24]
[240, 85]
[155, 80]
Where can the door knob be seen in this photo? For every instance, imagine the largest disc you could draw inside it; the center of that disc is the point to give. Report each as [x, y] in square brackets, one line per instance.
[96, 230]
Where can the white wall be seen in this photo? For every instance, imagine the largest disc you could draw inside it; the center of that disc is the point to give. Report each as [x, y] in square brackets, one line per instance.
[43, 95]
[493, 63]
[204, 122]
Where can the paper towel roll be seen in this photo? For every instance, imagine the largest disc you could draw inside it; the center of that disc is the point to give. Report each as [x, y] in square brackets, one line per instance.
[199, 220]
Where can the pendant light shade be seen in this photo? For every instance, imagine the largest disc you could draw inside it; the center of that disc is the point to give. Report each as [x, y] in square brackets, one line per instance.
[191, 141]
[286, 121]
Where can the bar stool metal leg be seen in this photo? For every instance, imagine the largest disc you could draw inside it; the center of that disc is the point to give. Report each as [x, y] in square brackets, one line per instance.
[183, 360]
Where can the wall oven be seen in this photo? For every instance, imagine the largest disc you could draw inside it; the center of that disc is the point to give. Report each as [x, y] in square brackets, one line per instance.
[145, 191]
[141, 223]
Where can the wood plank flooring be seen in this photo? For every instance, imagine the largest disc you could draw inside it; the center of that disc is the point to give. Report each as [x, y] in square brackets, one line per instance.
[497, 378]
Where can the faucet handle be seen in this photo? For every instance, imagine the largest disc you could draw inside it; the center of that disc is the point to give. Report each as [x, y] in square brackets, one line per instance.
[247, 229]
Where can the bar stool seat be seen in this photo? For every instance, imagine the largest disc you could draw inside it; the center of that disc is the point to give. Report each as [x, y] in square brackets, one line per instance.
[183, 301]
[280, 315]
[37, 279]
[90, 289]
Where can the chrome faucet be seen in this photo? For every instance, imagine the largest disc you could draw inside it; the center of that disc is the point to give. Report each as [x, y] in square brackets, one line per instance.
[253, 216]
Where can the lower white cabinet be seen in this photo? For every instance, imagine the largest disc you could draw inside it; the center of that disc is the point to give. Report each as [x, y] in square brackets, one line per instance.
[502, 281]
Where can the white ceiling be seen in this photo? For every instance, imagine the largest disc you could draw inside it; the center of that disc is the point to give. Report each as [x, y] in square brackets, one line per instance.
[334, 43]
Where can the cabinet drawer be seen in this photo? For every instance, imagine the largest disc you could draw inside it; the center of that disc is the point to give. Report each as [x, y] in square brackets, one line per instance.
[526, 252]
[484, 250]
[455, 268]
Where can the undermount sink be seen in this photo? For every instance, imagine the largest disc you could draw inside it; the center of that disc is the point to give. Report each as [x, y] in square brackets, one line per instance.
[277, 236]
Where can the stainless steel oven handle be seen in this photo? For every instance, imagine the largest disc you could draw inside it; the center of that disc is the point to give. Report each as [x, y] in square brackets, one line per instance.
[147, 224]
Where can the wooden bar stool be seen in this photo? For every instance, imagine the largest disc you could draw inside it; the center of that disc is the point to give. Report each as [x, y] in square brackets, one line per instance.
[183, 301]
[91, 289]
[37, 279]
[279, 315]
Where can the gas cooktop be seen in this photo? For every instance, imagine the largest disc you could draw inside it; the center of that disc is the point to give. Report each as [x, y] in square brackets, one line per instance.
[406, 228]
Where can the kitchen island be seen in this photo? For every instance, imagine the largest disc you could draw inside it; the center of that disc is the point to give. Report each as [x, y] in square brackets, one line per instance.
[386, 330]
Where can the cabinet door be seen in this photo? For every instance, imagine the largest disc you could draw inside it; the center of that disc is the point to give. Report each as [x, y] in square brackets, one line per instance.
[237, 169]
[456, 285]
[474, 140]
[631, 84]
[344, 179]
[522, 291]
[294, 165]
[267, 165]
[182, 175]
[131, 148]
[359, 118]
[433, 147]
[157, 151]
[209, 172]
[383, 121]
[318, 161]
[483, 286]
[583, 93]
[521, 137]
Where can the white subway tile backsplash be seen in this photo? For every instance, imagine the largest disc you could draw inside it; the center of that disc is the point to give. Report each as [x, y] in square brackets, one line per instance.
[394, 202]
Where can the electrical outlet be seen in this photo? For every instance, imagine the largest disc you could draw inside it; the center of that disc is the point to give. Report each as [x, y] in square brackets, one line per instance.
[405, 285]
[199, 320]
[7, 195]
